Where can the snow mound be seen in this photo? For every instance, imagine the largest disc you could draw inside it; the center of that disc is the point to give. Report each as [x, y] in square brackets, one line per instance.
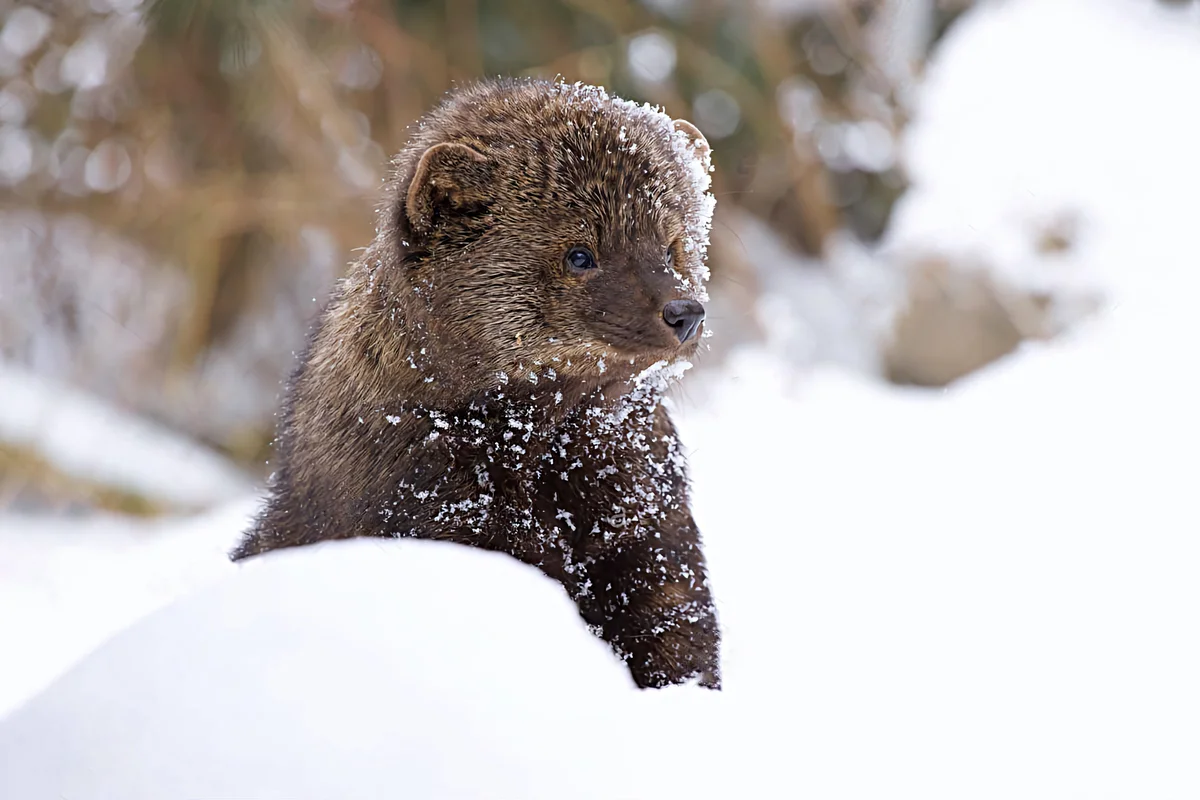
[361, 669]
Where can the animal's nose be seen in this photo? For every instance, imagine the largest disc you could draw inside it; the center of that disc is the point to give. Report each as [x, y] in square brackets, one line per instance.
[684, 318]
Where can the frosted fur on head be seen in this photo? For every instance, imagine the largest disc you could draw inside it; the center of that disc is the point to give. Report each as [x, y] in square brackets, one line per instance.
[692, 154]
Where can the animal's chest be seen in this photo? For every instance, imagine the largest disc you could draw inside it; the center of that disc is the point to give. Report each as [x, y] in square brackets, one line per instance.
[576, 490]
[551, 496]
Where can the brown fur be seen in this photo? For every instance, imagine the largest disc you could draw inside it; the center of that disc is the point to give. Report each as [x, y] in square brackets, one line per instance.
[465, 384]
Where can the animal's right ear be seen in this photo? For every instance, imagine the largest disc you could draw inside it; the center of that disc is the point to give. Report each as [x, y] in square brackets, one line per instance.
[449, 178]
[697, 138]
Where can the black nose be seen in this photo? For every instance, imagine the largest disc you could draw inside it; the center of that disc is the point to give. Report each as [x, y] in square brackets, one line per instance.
[684, 317]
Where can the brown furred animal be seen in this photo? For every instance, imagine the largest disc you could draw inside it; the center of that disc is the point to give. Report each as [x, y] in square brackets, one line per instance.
[491, 371]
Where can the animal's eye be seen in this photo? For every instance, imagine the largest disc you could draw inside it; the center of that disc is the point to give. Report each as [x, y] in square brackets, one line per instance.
[580, 259]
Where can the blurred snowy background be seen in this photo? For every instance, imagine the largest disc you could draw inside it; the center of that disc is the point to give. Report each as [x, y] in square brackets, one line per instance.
[944, 444]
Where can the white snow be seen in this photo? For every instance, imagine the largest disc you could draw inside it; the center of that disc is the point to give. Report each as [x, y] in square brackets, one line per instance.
[67, 585]
[987, 592]
[436, 704]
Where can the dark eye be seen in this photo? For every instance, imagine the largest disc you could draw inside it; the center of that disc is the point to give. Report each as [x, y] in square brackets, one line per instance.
[580, 259]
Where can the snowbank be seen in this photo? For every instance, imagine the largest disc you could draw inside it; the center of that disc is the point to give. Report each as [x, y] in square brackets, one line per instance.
[997, 602]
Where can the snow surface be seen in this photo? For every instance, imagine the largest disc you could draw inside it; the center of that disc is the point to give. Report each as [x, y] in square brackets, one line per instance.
[987, 592]
[67, 585]
[484, 692]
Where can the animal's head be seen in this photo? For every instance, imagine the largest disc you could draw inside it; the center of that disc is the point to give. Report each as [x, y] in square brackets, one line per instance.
[554, 225]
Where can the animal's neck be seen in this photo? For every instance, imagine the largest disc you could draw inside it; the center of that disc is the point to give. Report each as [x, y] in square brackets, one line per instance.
[531, 415]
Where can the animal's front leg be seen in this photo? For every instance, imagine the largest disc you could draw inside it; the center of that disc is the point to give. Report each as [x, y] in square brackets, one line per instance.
[651, 601]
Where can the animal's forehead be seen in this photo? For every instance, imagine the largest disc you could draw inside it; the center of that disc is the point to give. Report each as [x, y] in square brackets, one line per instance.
[619, 195]
[586, 126]
[612, 168]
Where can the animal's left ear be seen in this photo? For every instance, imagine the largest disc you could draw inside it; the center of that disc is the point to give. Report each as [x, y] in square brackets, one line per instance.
[698, 141]
[449, 178]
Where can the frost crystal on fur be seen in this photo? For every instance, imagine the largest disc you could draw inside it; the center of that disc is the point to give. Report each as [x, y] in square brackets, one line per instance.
[692, 156]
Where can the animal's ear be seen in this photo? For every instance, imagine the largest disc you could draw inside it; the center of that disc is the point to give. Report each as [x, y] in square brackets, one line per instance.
[449, 177]
[698, 140]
